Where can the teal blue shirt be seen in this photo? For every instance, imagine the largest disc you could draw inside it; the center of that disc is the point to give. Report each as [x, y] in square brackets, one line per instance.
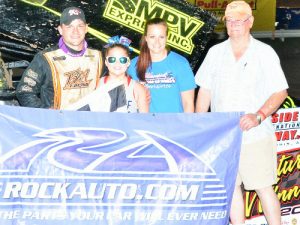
[166, 80]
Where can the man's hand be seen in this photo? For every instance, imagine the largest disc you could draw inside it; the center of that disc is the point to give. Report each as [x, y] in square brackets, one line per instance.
[248, 121]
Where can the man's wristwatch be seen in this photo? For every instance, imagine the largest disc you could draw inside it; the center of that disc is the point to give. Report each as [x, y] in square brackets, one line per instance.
[258, 117]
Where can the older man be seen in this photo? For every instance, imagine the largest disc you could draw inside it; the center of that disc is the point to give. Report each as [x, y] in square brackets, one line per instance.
[61, 75]
[244, 74]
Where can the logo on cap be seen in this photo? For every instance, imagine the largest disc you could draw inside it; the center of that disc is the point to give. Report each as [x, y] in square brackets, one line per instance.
[74, 12]
[70, 14]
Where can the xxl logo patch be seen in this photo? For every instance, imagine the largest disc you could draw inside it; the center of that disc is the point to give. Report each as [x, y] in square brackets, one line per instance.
[77, 79]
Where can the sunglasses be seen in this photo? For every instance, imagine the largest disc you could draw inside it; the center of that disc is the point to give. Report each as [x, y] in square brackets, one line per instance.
[113, 59]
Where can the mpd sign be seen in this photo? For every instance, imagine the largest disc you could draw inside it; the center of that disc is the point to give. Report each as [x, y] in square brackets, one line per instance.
[133, 13]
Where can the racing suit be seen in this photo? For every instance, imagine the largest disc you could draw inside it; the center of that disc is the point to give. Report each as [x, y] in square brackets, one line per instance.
[55, 79]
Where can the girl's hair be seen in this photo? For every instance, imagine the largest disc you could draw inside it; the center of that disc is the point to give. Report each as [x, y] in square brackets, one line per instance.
[114, 45]
[144, 60]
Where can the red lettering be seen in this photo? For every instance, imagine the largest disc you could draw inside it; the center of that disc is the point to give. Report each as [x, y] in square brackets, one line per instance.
[225, 3]
[293, 134]
[278, 135]
[285, 117]
[286, 135]
[213, 4]
[275, 118]
[295, 116]
[288, 117]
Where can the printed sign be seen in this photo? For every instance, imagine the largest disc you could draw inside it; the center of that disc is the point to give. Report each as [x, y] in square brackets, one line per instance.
[190, 26]
[182, 27]
[264, 12]
[104, 168]
[287, 130]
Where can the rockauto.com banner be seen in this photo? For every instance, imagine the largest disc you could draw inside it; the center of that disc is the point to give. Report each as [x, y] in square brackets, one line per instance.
[63, 167]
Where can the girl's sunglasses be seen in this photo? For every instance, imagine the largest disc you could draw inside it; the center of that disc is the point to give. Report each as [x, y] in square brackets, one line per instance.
[113, 59]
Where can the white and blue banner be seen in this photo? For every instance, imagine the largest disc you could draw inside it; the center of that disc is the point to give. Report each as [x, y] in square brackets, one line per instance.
[86, 168]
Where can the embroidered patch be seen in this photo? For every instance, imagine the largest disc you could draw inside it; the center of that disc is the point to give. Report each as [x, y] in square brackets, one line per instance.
[32, 74]
[77, 79]
[58, 58]
[26, 88]
[29, 81]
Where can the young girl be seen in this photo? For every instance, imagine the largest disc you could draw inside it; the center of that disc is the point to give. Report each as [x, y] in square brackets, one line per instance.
[116, 91]
[167, 74]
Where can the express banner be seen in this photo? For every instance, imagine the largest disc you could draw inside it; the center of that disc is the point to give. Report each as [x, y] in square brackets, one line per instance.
[64, 167]
[31, 25]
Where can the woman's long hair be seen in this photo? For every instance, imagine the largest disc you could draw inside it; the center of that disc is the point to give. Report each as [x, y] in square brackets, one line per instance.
[144, 60]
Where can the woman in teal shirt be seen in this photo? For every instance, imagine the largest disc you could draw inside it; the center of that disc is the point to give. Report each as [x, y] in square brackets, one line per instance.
[165, 73]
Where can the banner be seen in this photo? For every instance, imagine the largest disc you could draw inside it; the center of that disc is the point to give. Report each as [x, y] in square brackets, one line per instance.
[31, 25]
[287, 130]
[264, 12]
[64, 167]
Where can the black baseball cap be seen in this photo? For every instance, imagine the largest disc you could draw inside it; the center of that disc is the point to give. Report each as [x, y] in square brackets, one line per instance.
[70, 14]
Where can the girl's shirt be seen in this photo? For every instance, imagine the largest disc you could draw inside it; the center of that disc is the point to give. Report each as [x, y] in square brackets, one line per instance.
[110, 96]
[166, 80]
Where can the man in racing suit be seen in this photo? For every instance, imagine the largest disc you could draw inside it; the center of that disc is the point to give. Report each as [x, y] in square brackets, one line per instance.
[61, 75]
